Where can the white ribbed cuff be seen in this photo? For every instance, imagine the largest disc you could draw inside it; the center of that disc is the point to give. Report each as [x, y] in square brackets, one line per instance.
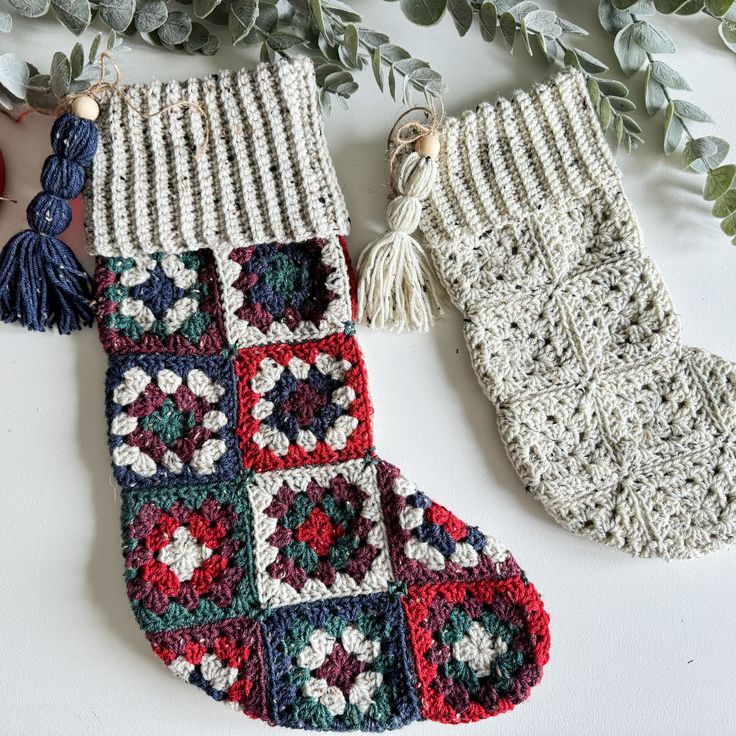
[509, 159]
[266, 174]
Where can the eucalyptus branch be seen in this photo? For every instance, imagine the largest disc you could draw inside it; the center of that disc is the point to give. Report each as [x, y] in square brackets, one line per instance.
[636, 44]
[722, 11]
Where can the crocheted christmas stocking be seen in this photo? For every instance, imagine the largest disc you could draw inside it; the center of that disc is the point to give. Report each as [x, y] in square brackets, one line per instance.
[271, 557]
[624, 434]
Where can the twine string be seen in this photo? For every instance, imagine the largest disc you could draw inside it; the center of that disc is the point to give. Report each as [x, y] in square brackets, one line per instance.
[405, 133]
[103, 85]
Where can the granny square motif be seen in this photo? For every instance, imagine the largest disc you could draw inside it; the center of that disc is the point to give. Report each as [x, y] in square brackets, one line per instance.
[341, 665]
[281, 292]
[319, 533]
[171, 419]
[160, 303]
[477, 647]
[302, 404]
[188, 554]
[223, 659]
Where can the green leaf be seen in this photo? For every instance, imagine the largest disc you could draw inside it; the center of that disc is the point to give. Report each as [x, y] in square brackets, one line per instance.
[94, 48]
[727, 32]
[613, 87]
[38, 93]
[372, 39]
[568, 27]
[691, 7]
[283, 41]
[654, 96]
[14, 74]
[594, 91]
[624, 4]
[571, 58]
[60, 75]
[652, 39]
[630, 124]
[351, 42]
[242, 19]
[726, 204]
[621, 104]
[543, 22]
[462, 14]
[718, 7]
[118, 14]
[176, 29]
[605, 113]
[669, 6]
[30, 8]
[76, 60]
[150, 15]
[691, 112]
[612, 19]
[673, 130]
[212, 45]
[377, 68]
[590, 63]
[629, 54]
[75, 15]
[323, 23]
[488, 20]
[618, 129]
[719, 181]
[423, 12]
[705, 153]
[508, 29]
[667, 76]
[202, 8]
[729, 226]
[112, 40]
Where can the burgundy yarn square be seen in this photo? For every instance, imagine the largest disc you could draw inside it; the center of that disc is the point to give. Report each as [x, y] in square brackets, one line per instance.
[224, 660]
[160, 303]
[429, 544]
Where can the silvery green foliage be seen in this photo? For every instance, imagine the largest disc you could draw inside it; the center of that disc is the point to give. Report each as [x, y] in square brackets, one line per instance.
[636, 43]
[328, 30]
[20, 81]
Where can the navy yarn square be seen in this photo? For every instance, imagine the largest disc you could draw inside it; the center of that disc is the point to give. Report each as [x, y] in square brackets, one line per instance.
[341, 665]
[171, 420]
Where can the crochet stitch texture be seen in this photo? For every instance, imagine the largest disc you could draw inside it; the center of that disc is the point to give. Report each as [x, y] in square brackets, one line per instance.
[272, 558]
[624, 434]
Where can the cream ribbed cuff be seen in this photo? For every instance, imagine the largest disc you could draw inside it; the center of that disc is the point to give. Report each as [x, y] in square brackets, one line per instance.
[266, 174]
[511, 158]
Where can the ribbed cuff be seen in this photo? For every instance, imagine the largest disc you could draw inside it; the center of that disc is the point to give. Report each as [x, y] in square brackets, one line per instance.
[265, 175]
[509, 159]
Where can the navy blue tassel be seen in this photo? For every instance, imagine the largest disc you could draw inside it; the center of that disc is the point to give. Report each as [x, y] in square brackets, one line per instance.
[42, 284]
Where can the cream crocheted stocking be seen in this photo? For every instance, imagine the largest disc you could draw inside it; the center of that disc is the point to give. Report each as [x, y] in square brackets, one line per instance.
[272, 558]
[622, 433]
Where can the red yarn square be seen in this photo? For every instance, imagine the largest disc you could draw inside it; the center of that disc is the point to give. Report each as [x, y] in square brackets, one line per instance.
[303, 404]
[478, 647]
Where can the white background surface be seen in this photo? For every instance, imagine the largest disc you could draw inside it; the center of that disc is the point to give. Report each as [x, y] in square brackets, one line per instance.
[638, 646]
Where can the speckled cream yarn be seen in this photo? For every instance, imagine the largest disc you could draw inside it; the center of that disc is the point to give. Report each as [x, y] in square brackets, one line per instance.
[622, 433]
[272, 558]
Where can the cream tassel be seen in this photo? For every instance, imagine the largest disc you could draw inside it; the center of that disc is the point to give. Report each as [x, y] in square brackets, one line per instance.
[397, 286]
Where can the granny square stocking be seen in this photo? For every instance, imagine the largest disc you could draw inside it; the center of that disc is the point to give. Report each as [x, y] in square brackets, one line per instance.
[272, 558]
[622, 433]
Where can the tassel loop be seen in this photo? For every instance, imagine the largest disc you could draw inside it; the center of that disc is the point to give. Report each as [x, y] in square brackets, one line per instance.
[397, 288]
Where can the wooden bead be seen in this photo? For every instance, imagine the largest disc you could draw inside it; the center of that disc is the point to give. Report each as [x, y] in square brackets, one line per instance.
[85, 107]
[428, 146]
